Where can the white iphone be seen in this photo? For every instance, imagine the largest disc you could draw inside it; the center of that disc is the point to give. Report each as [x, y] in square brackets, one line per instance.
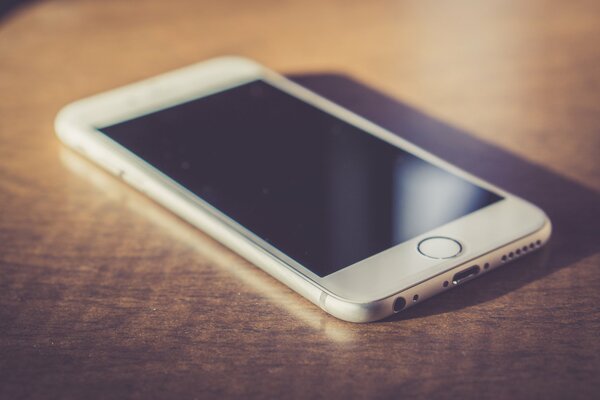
[359, 221]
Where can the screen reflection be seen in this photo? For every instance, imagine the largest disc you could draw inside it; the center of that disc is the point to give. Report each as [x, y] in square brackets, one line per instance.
[317, 188]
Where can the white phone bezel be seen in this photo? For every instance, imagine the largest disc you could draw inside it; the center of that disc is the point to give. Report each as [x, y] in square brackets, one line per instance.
[366, 282]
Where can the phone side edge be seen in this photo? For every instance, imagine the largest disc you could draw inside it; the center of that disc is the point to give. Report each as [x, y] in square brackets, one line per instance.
[68, 129]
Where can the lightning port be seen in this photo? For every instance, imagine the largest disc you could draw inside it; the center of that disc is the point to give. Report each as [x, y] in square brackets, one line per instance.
[465, 274]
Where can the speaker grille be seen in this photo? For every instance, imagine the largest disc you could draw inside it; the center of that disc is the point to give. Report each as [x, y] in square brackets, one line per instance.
[520, 251]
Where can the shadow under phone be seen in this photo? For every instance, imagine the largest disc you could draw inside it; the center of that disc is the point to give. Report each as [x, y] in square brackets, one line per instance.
[573, 209]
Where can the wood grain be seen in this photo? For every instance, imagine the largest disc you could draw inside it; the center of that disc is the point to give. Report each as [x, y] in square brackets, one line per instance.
[103, 294]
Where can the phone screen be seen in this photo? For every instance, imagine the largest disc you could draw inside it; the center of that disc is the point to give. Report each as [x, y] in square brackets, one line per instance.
[322, 191]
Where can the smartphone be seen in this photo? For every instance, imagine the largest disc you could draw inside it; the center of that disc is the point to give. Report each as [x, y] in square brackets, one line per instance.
[359, 221]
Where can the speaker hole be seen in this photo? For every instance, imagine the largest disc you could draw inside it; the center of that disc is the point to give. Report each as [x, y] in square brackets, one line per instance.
[486, 265]
[415, 298]
[445, 284]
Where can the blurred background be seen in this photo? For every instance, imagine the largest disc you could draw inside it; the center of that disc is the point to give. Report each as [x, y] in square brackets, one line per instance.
[491, 67]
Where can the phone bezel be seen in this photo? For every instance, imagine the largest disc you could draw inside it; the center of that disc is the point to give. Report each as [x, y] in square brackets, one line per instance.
[368, 280]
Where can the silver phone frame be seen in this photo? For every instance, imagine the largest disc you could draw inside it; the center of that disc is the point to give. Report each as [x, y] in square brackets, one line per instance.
[362, 292]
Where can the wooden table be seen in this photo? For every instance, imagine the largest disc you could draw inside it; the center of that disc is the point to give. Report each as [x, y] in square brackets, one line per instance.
[103, 294]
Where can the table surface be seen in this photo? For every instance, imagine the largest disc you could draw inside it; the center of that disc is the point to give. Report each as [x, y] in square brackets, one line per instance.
[105, 294]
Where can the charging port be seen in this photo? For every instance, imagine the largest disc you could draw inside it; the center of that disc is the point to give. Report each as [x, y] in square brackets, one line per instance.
[465, 274]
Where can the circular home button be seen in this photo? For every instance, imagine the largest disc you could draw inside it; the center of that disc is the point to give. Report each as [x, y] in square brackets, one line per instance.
[439, 247]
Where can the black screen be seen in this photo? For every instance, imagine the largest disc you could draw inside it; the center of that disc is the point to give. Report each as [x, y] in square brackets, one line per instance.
[319, 189]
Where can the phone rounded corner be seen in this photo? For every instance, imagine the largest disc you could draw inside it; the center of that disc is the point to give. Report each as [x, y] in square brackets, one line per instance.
[356, 312]
[63, 122]
[236, 60]
[545, 232]
[544, 224]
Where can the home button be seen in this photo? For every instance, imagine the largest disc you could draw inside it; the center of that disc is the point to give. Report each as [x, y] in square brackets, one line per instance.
[439, 247]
